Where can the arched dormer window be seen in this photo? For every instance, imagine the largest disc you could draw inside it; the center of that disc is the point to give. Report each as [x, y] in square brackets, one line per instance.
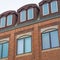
[50, 38]
[2, 22]
[27, 13]
[9, 20]
[54, 6]
[45, 8]
[22, 16]
[30, 13]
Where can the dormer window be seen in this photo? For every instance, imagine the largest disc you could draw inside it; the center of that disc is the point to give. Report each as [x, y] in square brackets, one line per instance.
[22, 16]
[45, 8]
[54, 7]
[2, 22]
[30, 13]
[9, 20]
[27, 13]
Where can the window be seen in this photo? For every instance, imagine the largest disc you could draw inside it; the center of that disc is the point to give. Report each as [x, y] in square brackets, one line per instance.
[24, 45]
[30, 13]
[45, 8]
[22, 16]
[0, 50]
[28, 44]
[50, 39]
[2, 22]
[45, 40]
[54, 7]
[20, 46]
[9, 20]
[4, 50]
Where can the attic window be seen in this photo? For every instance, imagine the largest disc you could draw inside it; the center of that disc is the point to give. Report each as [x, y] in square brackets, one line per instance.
[30, 13]
[22, 16]
[45, 8]
[2, 22]
[9, 20]
[54, 7]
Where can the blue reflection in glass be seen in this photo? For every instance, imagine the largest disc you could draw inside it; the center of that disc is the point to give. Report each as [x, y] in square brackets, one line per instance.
[30, 13]
[0, 50]
[54, 39]
[9, 20]
[2, 22]
[5, 50]
[28, 44]
[20, 46]
[45, 41]
[45, 8]
[22, 16]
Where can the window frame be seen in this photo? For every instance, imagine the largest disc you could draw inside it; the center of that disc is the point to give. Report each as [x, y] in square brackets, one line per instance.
[23, 45]
[51, 6]
[44, 9]
[7, 19]
[25, 16]
[49, 39]
[32, 13]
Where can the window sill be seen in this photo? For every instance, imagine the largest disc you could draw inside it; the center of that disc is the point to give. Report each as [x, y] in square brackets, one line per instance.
[50, 49]
[4, 59]
[24, 54]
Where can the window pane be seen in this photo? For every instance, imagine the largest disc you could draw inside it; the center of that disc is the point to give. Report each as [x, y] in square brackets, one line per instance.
[20, 46]
[28, 44]
[54, 6]
[45, 8]
[2, 24]
[0, 50]
[54, 39]
[30, 13]
[45, 41]
[5, 50]
[22, 16]
[9, 20]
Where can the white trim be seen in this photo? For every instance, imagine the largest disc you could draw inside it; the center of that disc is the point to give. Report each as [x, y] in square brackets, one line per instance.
[49, 28]
[4, 40]
[23, 35]
[51, 49]
[4, 59]
[24, 55]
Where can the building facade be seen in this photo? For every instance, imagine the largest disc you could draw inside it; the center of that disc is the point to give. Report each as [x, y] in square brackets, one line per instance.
[31, 33]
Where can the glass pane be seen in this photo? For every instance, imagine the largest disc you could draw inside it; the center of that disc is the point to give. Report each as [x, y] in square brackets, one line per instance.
[54, 6]
[3, 21]
[54, 39]
[45, 41]
[20, 46]
[45, 8]
[9, 20]
[0, 50]
[28, 44]
[22, 16]
[5, 50]
[30, 13]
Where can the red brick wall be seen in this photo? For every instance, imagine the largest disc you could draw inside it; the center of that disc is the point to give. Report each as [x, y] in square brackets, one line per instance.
[37, 52]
